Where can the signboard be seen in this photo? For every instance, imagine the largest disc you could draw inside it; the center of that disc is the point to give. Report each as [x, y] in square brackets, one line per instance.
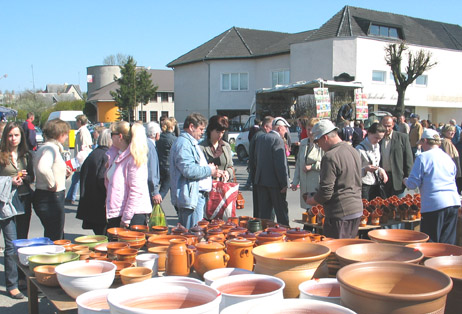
[362, 111]
[322, 98]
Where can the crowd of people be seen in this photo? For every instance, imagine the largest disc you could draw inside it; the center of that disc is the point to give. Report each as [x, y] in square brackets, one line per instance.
[124, 170]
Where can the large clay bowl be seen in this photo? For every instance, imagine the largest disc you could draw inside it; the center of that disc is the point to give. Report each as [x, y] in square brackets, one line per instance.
[451, 266]
[53, 259]
[293, 262]
[397, 236]
[432, 249]
[46, 275]
[162, 240]
[393, 287]
[298, 306]
[93, 302]
[91, 240]
[368, 252]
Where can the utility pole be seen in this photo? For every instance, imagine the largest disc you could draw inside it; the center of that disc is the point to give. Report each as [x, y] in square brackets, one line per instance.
[33, 79]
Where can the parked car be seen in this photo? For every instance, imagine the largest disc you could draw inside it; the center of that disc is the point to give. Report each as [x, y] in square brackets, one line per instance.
[39, 135]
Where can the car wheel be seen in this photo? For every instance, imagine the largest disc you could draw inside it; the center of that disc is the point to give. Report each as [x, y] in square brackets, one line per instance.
[232, 141]
[241, 153]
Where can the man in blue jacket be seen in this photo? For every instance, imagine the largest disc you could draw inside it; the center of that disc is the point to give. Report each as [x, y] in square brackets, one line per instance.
[29, 132]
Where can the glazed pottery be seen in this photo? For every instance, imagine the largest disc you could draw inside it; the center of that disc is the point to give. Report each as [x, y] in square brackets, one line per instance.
[80, 247]
[233, 232]
[324, 289]
[268, 237]
[81, 276]
[121, 265]
[62, 242]
[247, 235]
[25, 252]
[113, 233]
[227, 226]
[277, 228]
[210, 255]
[136, 244]
[159, 229]
[53, 259]
[293, 262]
[393, 287]
[198, 231]
[299, 306]
[179, 258]
[127, 255]
[93, 302]
[101, 248]
[148, 260]
[432, 249]
[368, 252]
[84, 254]
[234, 220]
[179, 229]
[215, 274]
[214, 232]
[114, 246]
[191, 238]
[254, 225]
[91, 240]
[134, 274]
[95, 255]
[161, 251]
[217, 238]
[298, 235]
[169, 297]
[139, 228]
[397, 236]
[19, 243]
[239, 288]
[162, 240]
[203, 224]
[243, 221]
[240, 253]
[451, 266]
[46, 275]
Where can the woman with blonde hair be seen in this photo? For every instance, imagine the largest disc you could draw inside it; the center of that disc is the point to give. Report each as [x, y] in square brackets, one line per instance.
[164, 144]
[127, 201]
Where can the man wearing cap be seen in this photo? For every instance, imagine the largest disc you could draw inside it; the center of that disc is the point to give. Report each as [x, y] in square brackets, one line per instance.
[456, 137]
[415, 133]
[271, 174]
[340, 185]
[434, 174]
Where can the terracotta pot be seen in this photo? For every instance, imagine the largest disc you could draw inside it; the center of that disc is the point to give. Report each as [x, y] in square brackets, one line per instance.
[393, 287]
[247, 235]
[368, 252]
[134, 274]
[213, 232]
[112, 247]
[159, 229]
[162, 252]
[113, 233]
[198, 231]
[128, 255]
[298, 235]
[235, 231]
[136, 244]
[293, 262]
[277, 228]
[203, 224]
[179, 258]
[162, 240]
[227, 226]
[240, 253]
[179, 229]
[217, 238]
[397, 236]
[62, 242]
[139, 228]
[451, 266]
[210, 255]
[234, 220]
[243, 221]
[128, 236]
[431, 249]
[268, 237]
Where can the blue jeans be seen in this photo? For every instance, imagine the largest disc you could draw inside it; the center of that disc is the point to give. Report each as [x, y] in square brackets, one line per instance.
[8, 227]
[190, 217]
[75, 183]
[49, 207]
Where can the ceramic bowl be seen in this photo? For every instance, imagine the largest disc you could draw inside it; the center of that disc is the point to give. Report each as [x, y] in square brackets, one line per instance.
[432, 249]
[172, 279]
[170, 297]
[46, 275]
[83, 255]
[62, 242]
[135, 274]
[162, 240]
[53, 259]
[93, 302]
[79, 247]
[111, 247]
[128, 255]
[19, 243]
[299, 306]
[101, 248]
[368, 252]
[136, 244]
[215, 274]
[393, 287]
[323, 289]
[113, 233]
[82, 276]
[96, 255]
[128, 236]
[139, 228]
[25, 252]
[91, 240]
[397, 236]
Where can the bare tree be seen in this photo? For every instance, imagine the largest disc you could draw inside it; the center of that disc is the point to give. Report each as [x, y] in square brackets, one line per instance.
[417, 64]
[119, 59]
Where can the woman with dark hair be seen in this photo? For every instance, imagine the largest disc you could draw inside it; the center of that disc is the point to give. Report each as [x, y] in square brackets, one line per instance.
[51, 173]
[216, 150]
[164, 144]
[15, 176]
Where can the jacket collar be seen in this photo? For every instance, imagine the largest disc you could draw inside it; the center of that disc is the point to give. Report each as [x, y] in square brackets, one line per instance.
[189, 138]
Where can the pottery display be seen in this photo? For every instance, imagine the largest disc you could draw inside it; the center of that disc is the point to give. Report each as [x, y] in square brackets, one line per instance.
[171, 297]
[161, 251]
[298, 235]
[148, 260]
[451, 266]
[268, 237]
[131, 275]
[324, 289]
[159, 229]
[215, 274]
[46, 275]
[240, 253]
[128, 255]
[19, 243]
[393, 287]
[239, 288]
[111, 247]
[139, 228]
[81, 276]
[179, 258]
[299, 306]
[293, 262]
[101, 248]
[162, 240]
[432, 249]
[121, 265]
[25, 252]
[91, 240]
[397, 236]
[368, 252]
[93, 302]
[210, 255]
[113, 233]
[52, 259]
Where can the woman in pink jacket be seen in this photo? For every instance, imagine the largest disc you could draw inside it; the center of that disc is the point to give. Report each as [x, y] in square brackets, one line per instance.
[127, 201]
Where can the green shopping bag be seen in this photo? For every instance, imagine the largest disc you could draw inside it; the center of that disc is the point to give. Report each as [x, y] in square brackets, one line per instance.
[157, 217]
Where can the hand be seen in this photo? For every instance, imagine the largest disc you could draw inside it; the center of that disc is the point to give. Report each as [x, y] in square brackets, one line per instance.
[405, 181]
[124, 225]
[371, 168]
[307, 168]
[293, 187]
[225, 176]
[214, 169]
[383, 175]
[53, 189]
[157, 199]
[284, 190]
[17, 181]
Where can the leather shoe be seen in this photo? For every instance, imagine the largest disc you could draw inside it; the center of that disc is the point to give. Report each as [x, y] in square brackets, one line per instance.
[17, 296]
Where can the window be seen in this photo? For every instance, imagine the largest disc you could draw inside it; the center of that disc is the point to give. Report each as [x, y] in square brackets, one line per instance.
[234, 81]
[383, 31]
[163, 97]
[155, 98]
[153, 115]
[142, 115]
[280, 77]
[164, 114]
[378, 76]
[421, 80]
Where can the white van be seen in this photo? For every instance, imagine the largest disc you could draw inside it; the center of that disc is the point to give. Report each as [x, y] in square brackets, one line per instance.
[69, 117]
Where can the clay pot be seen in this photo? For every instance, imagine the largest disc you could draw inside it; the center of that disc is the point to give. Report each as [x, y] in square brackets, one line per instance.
[277, 228]
[162, 240]
[431, 249]
[298, 235]
[254, 225]
[214, 232]
[113, 233]
[324, 289]
[179, 229]
[234, 220]
[134, 274]
[112, 247]
[367, 252]
[243, 221]
[393, 287]
[159, 230]
[128, 255]
[198, 231]
[137, 244]
[235, 231]
[203, 224]
[179, 258]
[131, 236]
[210, 255]
[247, 235]
[162, 252]
[62, 242]
[227, 226]
[268, 237]
[139, 228]
[217, 238]
[240, 253]
[397, 236]
[293, 262]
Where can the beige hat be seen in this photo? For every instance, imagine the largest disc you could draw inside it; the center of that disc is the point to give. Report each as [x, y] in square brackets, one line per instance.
[280, 121]
[321, 128]
[430, 134]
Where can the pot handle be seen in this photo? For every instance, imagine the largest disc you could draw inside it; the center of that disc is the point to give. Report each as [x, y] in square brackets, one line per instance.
[244, 253]
[226, 259]
[191, 257]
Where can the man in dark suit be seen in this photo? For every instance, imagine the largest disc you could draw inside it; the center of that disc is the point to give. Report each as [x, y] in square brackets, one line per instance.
[396, 157]
[272, 175]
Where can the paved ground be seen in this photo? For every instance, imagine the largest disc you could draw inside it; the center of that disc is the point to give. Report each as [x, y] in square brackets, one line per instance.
[73, 229]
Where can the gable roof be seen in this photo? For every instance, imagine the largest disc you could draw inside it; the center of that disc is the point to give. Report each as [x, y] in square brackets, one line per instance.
[62, 88]
[241, 43]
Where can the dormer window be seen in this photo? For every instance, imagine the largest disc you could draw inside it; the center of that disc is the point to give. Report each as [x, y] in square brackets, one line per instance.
[383, 31]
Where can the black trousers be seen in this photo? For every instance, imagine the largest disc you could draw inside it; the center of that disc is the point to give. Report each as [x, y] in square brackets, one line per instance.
[49, 207]
[271, 201]
[341, 229]
[441, 224]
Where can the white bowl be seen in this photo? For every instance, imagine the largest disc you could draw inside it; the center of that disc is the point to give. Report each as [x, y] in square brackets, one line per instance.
[215, 274]
[82, 276]
[324, 289]
[93, 302]
[298, 306]
[25, 252]
[167, 279]
[168, 297]
[239, 288]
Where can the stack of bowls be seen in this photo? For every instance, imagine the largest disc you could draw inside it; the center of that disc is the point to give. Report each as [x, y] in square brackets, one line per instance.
[25, 252]
[135, 240]
[91, 240]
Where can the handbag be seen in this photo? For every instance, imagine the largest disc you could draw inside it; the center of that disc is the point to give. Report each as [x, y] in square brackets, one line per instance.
[222, 200]
[382, 190]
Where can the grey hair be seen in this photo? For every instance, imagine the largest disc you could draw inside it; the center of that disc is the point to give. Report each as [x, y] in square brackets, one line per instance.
[152, 129]
[104, 138]
[452, 121]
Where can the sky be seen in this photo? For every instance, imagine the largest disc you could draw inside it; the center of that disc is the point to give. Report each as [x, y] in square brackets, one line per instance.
[53, 42]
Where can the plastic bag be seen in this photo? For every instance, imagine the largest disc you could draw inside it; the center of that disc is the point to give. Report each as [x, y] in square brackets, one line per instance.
[157, 217]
